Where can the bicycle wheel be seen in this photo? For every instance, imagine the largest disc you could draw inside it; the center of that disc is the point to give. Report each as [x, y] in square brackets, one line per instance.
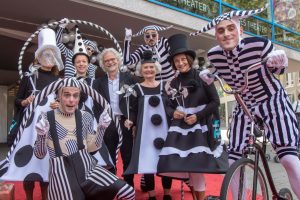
[238, 182]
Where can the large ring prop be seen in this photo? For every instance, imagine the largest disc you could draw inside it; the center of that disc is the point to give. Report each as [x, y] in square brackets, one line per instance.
[100, 28]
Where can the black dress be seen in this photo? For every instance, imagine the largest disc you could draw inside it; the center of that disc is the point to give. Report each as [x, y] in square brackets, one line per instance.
[186, 148]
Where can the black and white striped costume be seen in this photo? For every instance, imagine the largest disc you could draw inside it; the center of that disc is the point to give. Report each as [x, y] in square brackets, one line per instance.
[74, 173]
[167, 72]
[86, 103]
[70, 70]
[265, 96]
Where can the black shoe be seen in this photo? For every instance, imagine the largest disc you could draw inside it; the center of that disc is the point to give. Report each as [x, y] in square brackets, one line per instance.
[152, 198]
[167, 197]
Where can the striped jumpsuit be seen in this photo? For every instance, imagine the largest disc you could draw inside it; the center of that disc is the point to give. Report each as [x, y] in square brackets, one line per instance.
[265, 96]
[74, 173]
[167, 72]
[70, 70]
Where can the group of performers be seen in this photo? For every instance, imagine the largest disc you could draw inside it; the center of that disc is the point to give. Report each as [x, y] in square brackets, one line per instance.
[71, 126]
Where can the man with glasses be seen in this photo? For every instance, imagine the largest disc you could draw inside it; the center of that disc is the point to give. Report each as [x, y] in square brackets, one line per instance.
[159, 47]
[112, 87]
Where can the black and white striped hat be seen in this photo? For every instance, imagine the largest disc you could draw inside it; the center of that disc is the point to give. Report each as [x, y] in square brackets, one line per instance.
[227, 16]
[151, 27]
[91, 44]
[70, 82]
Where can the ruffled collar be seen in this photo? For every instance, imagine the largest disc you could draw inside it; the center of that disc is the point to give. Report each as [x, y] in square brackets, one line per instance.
[61, 113]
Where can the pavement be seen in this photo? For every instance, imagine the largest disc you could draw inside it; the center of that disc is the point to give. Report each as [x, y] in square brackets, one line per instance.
[279, 175]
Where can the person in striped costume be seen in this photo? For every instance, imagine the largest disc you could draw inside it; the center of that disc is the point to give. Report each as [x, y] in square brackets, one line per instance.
[159, 47]
[91, 47]
[67, 134]
[265, 96]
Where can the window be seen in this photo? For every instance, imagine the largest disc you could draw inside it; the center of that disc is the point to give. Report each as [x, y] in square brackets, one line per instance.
[289, 79]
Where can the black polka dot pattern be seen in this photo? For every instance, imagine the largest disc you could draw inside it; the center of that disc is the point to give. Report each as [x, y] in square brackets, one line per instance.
[23, 156]
[156, 119]
[80, 49]
[154, 101]
[80, 43]
[33, 177]
[158, 143]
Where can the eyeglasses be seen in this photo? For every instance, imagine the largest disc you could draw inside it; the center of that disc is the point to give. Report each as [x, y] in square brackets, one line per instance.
[90, 49]
[110, 60]
[153, 35]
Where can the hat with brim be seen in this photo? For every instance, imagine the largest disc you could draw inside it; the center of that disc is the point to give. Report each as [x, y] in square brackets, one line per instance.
[47, 40]
[237, 14]
[178, 45]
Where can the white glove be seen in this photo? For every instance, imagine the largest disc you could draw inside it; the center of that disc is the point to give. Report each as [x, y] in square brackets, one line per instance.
[64, 22]
[128, 34]
[42, 126]
[123, 68]
[104, 120]
[204, 76]
[277, 59]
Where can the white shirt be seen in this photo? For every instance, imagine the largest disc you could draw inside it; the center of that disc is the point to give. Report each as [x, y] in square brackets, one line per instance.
[113, 86]
[296, 107]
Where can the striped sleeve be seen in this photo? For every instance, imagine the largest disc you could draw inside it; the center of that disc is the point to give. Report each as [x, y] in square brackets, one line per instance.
[133, 58]
[40, 145]
[93, 139]
[69, 68]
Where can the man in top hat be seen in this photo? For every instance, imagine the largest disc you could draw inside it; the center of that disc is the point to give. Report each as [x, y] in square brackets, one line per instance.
[159, 47]
[90, 46]
[265, 96]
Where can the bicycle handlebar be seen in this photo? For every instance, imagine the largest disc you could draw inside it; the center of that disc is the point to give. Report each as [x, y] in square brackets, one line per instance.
[232, 91]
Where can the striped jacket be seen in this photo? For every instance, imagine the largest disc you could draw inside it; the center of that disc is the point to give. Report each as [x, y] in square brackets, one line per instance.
[167, 72]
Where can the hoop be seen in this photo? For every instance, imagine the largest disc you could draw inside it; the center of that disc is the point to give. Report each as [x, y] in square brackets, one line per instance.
[61, 22]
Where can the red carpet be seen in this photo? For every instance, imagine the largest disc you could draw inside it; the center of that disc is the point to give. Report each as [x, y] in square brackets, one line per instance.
[213, 184]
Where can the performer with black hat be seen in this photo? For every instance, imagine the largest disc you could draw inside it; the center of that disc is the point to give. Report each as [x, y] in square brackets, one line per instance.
[150, 114]
[186, 152]
[158, 45]
[265, 96]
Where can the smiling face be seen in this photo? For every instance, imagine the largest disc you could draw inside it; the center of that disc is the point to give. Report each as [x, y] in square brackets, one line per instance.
[110, 62]
[151, 37]
[81, 64]
[227, 35]
[181, 63]
[148, 70]
[69, 98]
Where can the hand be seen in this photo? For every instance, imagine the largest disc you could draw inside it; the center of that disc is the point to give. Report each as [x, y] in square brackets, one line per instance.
[123, 68]
[178, 114]
[128, 124]
[43, 126]
[128, 34]
[192, 119]
[204, 75]
[54, 105]
[64, 22]
[277, 59]
[28, 100]
[104, 119]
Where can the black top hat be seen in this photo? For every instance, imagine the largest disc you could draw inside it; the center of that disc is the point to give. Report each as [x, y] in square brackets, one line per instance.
[147, 57]
[178, 45]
